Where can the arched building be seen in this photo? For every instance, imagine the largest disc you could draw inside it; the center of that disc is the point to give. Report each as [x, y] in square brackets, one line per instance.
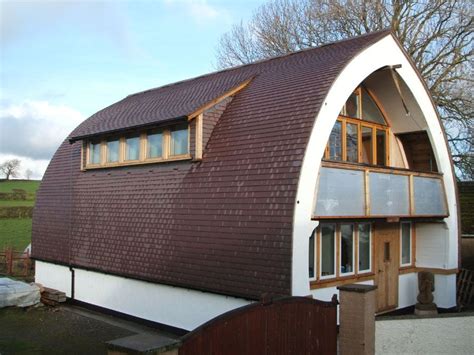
[289, 176]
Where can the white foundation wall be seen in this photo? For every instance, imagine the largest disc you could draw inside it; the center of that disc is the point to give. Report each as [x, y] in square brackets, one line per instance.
[407, 290]
[445, 291]
[53, 276]
[325, 294]
[174, 306]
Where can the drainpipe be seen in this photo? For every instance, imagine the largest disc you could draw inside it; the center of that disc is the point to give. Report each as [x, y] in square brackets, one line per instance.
[72, 282]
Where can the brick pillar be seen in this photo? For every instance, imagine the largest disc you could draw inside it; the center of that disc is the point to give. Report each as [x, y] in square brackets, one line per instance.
[357, 319]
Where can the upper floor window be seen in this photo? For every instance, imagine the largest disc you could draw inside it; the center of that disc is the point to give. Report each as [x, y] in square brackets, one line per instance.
[360, 134]
[95, 152]
[168, 143]
[132, 148]
[179, 140]
[113, 151]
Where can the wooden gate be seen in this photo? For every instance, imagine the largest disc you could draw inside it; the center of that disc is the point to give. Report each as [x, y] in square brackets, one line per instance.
[294, 325]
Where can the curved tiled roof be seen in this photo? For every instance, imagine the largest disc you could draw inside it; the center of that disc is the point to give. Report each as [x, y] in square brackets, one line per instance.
[223, 224]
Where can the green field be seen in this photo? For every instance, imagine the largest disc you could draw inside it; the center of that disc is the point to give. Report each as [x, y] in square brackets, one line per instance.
[15, 203]
[16, 232]
[30, 186]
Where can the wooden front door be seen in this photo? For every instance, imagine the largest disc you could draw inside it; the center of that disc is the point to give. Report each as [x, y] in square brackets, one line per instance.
[387, 260]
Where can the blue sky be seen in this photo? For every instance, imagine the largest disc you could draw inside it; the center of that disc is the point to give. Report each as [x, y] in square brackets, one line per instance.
[61, 61]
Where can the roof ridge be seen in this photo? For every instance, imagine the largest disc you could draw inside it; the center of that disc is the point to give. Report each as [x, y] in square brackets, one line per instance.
[386, 30]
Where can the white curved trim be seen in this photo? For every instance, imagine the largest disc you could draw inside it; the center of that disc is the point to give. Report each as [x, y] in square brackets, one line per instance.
[382, 53]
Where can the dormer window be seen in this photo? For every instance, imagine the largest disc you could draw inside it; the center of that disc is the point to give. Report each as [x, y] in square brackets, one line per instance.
[113, 151]
[360, 132]
[95, 153]
[155, 145]
[132, 148]
[179, 140]
[143, 147]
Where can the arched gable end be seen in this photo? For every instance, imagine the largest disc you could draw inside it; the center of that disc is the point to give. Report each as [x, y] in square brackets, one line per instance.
[385, 52]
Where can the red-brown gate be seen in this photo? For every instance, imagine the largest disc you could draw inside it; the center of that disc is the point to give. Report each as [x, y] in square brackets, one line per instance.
[294, 325]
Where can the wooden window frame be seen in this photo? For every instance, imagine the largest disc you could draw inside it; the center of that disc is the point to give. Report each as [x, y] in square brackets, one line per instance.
[320, 259]
[353, 272]
[143, 149]
[411, 263]
[337, 276]
[360, 122]
[369, 270]
[168, 143]
[314, 234]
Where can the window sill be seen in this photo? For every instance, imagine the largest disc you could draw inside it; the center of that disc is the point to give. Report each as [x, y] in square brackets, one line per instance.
[141, 162]
[341, 280]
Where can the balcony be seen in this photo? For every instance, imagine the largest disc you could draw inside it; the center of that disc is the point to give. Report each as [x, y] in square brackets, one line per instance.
[360, 191]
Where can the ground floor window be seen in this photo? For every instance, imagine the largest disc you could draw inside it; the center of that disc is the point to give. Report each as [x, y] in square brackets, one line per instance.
[405, 242]
[340, 249]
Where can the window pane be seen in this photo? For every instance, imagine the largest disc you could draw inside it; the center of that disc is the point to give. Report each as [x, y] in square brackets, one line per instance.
[94, 153]
[370, 111]
[155, 145]
[406, 243]
[351, 143]
[132, 150]
[347, 248]
[327, 250]
[335, 142]
[367, 145]
[352, 106]
[179, 140]
[311, 256]
[381, 147]
[364, 246]
[113, 151]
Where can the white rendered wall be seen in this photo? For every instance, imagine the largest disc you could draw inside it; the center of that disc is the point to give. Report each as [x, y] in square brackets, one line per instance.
[445, 291]
[407, 290]
[53, 276]
[432, 242]
[385, 52]
[325, 294]
[175, 306]
[434, 335]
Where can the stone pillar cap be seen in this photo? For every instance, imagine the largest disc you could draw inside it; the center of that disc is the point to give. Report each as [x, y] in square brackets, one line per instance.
[357, 288]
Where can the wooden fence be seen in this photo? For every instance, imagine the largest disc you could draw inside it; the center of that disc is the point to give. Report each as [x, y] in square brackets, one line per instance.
[294, 325]
[15, 263]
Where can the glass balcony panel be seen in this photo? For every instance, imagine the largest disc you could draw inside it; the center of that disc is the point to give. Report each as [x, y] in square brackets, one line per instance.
[340, 193]
[429, 196]
[389, 194]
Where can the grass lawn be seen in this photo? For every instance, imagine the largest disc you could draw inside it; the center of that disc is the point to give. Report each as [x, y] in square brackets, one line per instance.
[15, 203]
[30, 186]
[15, 232]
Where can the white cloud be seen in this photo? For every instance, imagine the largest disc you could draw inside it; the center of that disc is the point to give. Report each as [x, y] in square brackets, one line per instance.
[37, 166]
[32, 131]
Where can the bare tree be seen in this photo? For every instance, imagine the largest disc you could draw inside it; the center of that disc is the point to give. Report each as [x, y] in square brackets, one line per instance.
[437, 34]
[28, 173]
[10, 168]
